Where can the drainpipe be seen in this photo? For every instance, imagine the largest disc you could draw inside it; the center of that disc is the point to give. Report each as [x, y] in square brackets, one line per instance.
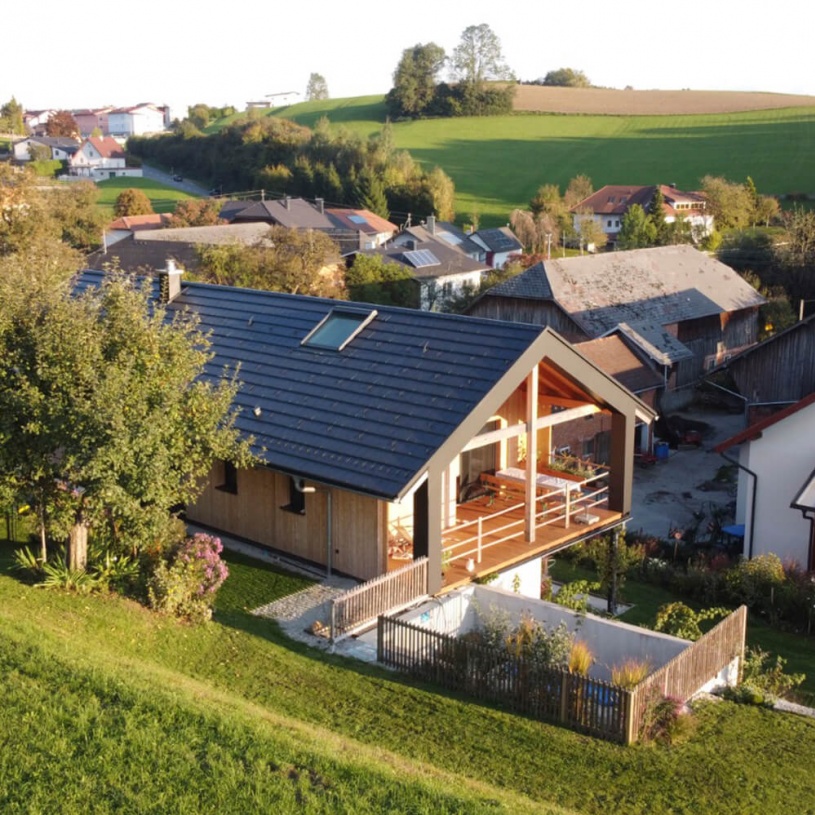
[301, 487]
[752, 500]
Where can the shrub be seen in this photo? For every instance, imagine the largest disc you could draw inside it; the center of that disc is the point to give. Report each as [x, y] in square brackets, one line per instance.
[630, 673]
[580, 658]
[184, 584]
[764, 675]
[575, 595]
[664, 720]
[754, 582]
[682, 621]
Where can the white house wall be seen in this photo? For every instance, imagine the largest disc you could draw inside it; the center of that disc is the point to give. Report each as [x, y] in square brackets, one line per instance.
[783, 458]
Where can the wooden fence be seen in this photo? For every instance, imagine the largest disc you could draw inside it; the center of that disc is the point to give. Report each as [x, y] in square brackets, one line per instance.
[377, 596]
[554, 694]
[491, 675]
[688, 671]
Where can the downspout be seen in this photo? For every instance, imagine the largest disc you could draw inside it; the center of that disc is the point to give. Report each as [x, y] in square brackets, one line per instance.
[300, 486]
[752, 500]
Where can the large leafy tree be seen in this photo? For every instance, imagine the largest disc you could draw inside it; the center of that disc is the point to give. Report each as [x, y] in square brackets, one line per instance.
[62, 123]
[132, 201]
[732, 204]
[567, 78]
[371, 279]
[478, 57]
[106, 418]
[11, 117]
[415, 80]
[317, 87]
[637, 230]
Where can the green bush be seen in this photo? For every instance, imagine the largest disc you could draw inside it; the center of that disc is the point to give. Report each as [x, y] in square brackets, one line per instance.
[763, 680]
[755, 582]
[682, 621]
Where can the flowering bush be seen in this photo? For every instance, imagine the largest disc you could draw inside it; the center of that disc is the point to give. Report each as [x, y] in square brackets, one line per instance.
[184, 583]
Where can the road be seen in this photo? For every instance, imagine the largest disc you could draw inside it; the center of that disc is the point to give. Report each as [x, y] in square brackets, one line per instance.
[166, 178]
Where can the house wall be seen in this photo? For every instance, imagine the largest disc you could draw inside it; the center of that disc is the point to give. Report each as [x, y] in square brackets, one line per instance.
[255, 513]
[782, 370]
[783, 459]
[537, 312]
[434, 293]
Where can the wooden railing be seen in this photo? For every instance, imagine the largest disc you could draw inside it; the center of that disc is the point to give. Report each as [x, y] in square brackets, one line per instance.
[558, 505]
[688, 671]
[382, 594]
[555, 694]
[491, 675]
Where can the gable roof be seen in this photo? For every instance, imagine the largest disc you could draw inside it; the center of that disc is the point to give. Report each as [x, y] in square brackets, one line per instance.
[755, 430]
[106, 146]
[612, 355]
[640, 291]
[445, 233]
[442, 260]
[360, 220]
[370, 417]
[135, 223]
[293, 213]
[616, 199]
[501, 239]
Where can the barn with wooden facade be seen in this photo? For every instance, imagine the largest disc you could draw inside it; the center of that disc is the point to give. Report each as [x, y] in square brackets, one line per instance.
[685, 311]
[384, 434]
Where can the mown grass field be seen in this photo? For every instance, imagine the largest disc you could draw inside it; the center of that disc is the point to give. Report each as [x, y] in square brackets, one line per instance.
[109, 708]
[497, 163]
[162, 197]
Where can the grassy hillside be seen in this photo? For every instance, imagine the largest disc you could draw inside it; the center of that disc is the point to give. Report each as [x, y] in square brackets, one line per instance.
[497, 163]
[110, 708]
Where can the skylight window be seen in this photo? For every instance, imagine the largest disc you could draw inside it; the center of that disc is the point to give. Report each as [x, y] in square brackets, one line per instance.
[357, 219]
[338, 328]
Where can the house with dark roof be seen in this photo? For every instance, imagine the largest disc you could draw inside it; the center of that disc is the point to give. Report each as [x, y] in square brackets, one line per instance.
[683, 310]
[59, 148]
[499, 244]
[440, 271]
[775, 502]
[292, 213]
[385, 433]
[609, 205]
[444, 233]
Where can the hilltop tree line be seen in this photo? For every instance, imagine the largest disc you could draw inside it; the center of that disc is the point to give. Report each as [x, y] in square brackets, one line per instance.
[286, 158]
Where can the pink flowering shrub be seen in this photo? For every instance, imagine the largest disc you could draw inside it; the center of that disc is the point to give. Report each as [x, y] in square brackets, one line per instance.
[184, 584]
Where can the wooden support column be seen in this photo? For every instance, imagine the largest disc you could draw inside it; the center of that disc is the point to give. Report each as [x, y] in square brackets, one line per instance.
[531, 452]
[621, 475]
[435, 483]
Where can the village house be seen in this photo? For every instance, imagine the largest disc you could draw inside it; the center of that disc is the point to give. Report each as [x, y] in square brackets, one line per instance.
[138, 120]
[56, 148]
[385, 433]
[99, 158]
[680, 309]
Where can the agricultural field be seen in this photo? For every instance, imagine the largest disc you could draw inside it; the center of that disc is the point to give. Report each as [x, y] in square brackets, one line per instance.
[497, 163]
[162, 197]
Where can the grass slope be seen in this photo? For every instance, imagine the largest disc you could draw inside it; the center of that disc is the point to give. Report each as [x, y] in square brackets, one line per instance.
[114, 708]
[497, 163]
[162, 197]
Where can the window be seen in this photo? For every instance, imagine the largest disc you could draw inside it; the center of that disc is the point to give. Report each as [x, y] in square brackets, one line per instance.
[338, 328]
[297, 499]
[230, 478]
[608, 223]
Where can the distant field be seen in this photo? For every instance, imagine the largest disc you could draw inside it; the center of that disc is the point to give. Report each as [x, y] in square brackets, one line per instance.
[163, 197]
[497, 163]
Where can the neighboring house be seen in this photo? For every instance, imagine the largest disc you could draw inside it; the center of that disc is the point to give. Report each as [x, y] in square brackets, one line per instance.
[279, 100]
[776, 493]
[88, 120]
[359, 228]
[99, 158]
[609, 205]
[440, 271]
[499, 244]
[779, 370]
[293, 213]
[60, 148]
[371, 420]
[684, 311]
[444, 233]
[148, 250]
[128, 225]
[35, 121]
[590, 437]
[138, 120]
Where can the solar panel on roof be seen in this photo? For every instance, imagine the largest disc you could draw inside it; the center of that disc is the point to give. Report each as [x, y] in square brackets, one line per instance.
[357, 219]
[420, 258]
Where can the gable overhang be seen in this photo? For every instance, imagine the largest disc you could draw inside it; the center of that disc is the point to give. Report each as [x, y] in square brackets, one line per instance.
[553, 353]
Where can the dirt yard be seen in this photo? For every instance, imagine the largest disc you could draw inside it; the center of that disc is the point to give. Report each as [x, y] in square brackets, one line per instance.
[610, 101]
[668, 493]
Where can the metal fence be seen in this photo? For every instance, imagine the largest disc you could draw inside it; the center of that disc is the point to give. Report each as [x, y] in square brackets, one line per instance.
[382, 594]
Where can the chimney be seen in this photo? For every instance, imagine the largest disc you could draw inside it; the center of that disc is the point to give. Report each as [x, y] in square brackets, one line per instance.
[169, 281]
[430, 224]
[287, 202]
[320, 204]
[412, 245]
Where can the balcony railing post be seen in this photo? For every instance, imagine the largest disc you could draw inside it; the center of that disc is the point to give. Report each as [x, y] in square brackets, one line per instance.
[480, 529]
[568, 494]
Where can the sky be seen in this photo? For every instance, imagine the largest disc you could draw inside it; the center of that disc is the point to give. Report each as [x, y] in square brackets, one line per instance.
[180, 52]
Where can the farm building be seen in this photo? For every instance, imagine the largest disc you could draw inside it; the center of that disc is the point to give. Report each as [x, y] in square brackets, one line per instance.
[387, 434]
[684, 311]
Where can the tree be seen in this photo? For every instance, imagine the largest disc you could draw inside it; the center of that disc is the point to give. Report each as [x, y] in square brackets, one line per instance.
[589, 231]
[580, 188]
[62, 123]
[567, 78]
[415, 80]
[535, 232]
[196, 212]
[371, 193]
[730, 203]
[656, 213]
[370, 279]
[478, 58]
[11, 118]
[317, 87]
[637, 230]
[106, 419]
[132, 201]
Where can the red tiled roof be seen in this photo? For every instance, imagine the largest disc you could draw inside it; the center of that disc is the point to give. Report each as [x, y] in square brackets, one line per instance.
[376, 223]
[139, 222]
[754, 431]
[613, 356]
[107, 147]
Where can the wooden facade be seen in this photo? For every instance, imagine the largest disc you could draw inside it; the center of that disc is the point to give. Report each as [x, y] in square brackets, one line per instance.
[529, 310]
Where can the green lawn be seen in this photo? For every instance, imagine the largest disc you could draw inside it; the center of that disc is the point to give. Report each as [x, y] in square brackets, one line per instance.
[498, 163]
[108, 707]
[163, 197]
